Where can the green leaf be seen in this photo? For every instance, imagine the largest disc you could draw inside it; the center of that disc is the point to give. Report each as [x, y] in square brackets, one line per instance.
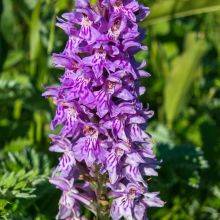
[93, 2]
[52, 35]
[25, 195]
[38, 117]
[185, 69]
[3, 203]
[9, 24]
[35, 31]
[21, 173]
[14, 85]
[9, 180]
[164, 10]
[30, 3]
[17, 144]
[17, 108]
[62, 5]
[13, 58]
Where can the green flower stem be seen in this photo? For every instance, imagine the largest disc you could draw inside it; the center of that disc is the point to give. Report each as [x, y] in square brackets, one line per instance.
[101, 195]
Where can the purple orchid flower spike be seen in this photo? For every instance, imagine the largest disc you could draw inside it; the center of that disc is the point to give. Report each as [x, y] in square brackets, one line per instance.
[106, 154]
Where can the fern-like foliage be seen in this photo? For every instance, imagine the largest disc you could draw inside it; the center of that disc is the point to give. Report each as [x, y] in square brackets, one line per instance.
[21, 174]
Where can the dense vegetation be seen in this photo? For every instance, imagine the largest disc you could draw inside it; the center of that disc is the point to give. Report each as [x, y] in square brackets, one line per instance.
[184, 59]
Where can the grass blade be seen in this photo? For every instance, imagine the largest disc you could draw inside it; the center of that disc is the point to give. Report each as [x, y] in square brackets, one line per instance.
[170, 9]
[185, 69]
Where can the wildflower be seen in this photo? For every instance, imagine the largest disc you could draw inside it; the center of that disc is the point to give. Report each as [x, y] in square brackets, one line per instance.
[69, 202]
[101, 121]
[131, 201]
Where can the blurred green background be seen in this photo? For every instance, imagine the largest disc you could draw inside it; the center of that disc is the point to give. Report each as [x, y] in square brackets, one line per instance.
[183, 37]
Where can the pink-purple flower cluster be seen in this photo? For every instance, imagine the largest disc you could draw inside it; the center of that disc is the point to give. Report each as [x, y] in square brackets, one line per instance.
[106, 154]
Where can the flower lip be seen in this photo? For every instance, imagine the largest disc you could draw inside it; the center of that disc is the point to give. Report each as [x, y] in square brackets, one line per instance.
[101, 50]
[111, 85]
[89, 130]
[132, 193]
[118, 4]
[72, 112]
[75, 65]
[85, 21]
[116, 25]
[115, 30]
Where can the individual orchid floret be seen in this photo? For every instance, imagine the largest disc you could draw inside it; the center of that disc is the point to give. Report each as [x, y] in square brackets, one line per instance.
[114, 158]
[89, 148]
[67, 160]
[70, 199]
[131, 201]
